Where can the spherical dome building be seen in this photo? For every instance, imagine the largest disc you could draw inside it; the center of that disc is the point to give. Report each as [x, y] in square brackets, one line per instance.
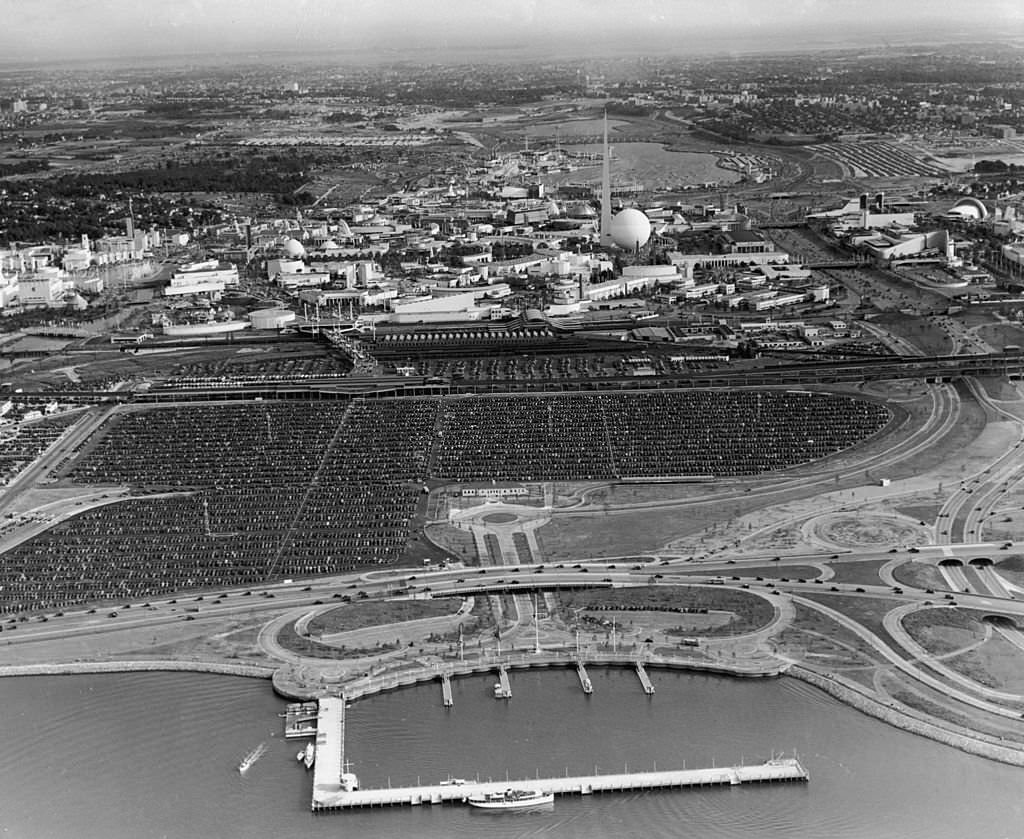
[294, 248]
[630, 229]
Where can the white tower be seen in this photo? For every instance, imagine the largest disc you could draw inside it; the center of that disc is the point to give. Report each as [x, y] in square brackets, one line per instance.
[606, 193]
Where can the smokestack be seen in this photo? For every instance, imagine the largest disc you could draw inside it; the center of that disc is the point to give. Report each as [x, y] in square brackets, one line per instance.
[606, 192]
[864, 210]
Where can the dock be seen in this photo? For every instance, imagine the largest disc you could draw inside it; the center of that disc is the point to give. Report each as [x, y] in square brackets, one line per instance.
[300, 719]
[503, 690]
[446, 690]
[773, 771]
[645, 680]
[585, 683]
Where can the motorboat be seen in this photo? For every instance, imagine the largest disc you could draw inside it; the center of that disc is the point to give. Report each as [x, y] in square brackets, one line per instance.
[511, 799]
[252, 757]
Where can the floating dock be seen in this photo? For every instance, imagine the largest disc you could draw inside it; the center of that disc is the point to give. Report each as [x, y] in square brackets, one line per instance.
[446, 690]
[645, 680]
[585, 683]
[773, 771]
[300, 719]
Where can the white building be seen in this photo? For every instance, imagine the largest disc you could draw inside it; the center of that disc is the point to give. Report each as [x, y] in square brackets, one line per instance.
[201, 278]
[450, 307]
[302, 279]
[43, 290]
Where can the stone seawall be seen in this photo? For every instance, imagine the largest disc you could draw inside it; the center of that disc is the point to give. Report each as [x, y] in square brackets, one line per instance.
[906, 719]
[75, 667]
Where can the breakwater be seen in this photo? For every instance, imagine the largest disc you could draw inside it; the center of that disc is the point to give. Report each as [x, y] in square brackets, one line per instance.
[904, 718]
[79, 667]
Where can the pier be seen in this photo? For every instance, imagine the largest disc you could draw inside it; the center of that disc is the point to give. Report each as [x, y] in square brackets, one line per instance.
[446, 690]
[773, 771]
[335, 788]
[503, 690]
[585, 683]
[645, 680]
[330, 747]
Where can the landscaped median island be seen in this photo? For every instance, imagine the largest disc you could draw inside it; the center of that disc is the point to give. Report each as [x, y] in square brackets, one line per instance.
[365, 628]
[705, 610]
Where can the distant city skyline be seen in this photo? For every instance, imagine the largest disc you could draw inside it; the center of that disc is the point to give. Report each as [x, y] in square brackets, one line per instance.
[48, 30]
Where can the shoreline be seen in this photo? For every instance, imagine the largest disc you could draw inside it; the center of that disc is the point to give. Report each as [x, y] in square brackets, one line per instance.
[853, 696]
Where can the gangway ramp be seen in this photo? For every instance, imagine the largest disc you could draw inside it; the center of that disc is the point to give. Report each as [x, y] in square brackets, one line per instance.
[446, 690]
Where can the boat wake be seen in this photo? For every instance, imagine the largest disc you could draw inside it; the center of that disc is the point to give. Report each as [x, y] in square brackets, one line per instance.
[252, 757]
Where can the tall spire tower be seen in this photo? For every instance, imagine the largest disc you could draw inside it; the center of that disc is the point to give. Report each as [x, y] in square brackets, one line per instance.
[606, 192]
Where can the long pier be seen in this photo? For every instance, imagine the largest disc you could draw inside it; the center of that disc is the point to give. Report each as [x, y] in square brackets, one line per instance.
[645, 680]
[334, 788]
[585, 683]
[773, 771]
[505, 687]
[330, 747]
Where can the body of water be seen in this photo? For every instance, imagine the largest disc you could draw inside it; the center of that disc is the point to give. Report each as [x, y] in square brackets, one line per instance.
[156, 755]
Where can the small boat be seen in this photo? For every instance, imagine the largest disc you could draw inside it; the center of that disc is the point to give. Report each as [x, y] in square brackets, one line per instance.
[309, 755]
[511, 799]
[252, 757]
[454, 782]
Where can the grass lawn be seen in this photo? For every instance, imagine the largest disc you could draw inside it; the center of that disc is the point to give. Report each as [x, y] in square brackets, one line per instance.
[867, 611]
[943, 630]
[824, 642]
[865, 572]
[919, 575]
[293, 642]
[769, 572]
[360, 615]
[996, 664]
[748, 611]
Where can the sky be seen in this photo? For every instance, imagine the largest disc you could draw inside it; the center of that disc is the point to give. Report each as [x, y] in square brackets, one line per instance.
[48, 29]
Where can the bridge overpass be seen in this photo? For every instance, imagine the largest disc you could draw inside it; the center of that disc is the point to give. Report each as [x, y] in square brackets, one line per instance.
[870, 368]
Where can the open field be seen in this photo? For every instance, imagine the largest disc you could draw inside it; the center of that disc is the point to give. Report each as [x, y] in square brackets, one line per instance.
[942, 631]
[996, 664]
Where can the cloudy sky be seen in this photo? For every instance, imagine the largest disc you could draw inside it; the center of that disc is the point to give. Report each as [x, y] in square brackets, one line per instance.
[96, 28]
